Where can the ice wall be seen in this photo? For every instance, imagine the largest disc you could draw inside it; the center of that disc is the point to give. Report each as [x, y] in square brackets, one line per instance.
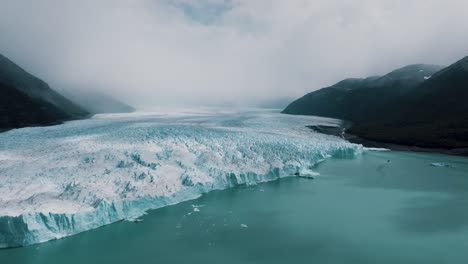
[62, 180]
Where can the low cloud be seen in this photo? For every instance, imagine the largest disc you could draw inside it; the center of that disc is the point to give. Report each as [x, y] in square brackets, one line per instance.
[221, 51]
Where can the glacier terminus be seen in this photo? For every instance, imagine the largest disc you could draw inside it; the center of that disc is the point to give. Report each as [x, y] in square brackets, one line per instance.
[61, 180]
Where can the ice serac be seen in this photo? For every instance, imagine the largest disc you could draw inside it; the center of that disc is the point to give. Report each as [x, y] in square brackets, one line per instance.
[62, 180]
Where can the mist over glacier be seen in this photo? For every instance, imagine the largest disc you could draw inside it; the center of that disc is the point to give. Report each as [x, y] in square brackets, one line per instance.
[224, 52]
[61, 180]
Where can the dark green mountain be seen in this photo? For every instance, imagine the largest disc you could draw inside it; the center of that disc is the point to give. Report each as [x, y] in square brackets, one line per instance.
[418, 105]
[361, 99]
[433, 115]
[28, 101]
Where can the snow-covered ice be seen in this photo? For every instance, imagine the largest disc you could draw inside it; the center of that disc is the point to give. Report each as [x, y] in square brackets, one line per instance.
[61, 180]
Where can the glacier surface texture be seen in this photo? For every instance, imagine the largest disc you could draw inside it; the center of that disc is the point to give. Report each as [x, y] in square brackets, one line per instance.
[61, 180]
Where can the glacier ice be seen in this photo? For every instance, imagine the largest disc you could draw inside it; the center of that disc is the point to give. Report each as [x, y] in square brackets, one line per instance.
[62, 180]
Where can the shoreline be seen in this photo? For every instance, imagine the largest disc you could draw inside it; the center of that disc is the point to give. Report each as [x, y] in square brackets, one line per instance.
[50, 124]
[340, 131]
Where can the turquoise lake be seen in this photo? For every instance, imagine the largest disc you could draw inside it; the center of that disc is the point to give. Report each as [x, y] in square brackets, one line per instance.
[381, 207]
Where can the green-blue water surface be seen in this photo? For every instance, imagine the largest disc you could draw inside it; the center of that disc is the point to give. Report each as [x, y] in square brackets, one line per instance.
[381, 207]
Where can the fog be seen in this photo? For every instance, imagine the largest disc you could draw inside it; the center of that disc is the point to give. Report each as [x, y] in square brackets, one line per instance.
[183, 52]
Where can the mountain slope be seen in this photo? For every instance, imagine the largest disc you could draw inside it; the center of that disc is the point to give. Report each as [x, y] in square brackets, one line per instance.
[418, 105]
[434, 114]
[19, 110]
[27, 100]
[361, 99]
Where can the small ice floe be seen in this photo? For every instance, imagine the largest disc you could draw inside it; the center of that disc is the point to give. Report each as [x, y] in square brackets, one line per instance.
[376, 149]
[134, 220]
[441, 164]
[427, 77]
[196, 208]
[244, 226]
[307, 174]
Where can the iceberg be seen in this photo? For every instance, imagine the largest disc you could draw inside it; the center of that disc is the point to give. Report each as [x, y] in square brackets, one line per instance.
[62, 180]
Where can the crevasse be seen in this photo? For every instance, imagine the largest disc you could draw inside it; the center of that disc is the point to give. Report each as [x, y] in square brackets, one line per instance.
[62, 180]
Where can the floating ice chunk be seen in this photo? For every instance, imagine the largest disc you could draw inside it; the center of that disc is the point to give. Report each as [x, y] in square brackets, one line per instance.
[440, 164]
[134, 220]
[376, 149]
[427, 77]
[196, 208]
[307, 174]
[244, 226]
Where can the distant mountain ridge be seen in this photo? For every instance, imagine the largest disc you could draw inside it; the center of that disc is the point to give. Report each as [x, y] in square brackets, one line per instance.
[356, 99]
[26, 100]
[16, 77]
[97, 103]
[418, 105]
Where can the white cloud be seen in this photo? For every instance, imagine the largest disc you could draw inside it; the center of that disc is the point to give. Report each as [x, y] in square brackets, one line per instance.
[219, 50]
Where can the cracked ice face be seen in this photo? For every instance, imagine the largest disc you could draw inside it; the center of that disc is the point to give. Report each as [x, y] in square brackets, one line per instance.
[76, 166]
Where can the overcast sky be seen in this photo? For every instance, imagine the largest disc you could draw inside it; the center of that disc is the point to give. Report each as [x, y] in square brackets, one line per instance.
[201, 51]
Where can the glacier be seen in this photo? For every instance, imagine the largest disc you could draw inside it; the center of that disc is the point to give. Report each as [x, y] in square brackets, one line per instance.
[62, 180]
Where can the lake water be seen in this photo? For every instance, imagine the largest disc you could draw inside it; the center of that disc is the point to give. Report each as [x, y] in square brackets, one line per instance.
[380, 207]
